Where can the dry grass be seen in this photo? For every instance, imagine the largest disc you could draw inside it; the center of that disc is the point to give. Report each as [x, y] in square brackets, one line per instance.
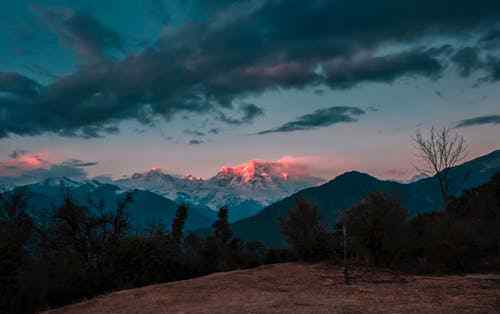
[302, 288]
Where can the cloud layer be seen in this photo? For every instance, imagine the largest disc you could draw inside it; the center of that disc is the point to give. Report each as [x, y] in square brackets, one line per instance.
[88, 37]
[246, 48]
[249, 112]
[318, 119]
[482, 120]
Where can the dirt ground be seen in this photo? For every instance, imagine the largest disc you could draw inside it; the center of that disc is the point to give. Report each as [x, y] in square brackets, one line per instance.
[303, 288]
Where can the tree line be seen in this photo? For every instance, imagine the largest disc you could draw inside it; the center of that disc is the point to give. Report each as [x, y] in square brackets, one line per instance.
[82, 252]
[463, 237]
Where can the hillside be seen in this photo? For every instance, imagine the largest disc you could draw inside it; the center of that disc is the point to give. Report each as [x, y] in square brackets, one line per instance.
[145, 209]
[349, 188]
[301, 288]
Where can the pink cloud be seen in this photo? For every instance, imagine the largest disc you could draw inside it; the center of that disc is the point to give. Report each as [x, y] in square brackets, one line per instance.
[23, 162]
[326, 167]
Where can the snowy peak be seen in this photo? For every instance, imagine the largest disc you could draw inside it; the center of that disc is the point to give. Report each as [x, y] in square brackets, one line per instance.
[192, 178]
[258, 172]
[254, 170]
[61, 181]
[150, 175]
[261, 182]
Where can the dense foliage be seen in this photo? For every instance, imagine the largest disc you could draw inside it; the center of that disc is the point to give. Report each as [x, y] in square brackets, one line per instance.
[464, 237]
[82, 253]
[305, 233]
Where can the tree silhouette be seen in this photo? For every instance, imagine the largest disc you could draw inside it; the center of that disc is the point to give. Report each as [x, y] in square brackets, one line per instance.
[375, 226]
[222, 229]
[440, 151]
[304, 232]
[178, 223]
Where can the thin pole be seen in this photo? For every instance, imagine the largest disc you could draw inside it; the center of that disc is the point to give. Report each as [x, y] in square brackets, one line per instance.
[346, 269]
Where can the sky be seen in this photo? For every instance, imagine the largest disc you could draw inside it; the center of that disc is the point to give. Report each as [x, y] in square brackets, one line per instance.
[109, 88]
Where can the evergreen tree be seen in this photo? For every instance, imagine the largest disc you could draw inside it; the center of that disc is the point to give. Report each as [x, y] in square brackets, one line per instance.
[222, 228]
[120, 220]
[179, 222]
[304, 232]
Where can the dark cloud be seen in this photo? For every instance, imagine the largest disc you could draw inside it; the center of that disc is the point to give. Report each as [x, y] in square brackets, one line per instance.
[195, 142]
[214, 131]
[194, 132]
[160, 11]
[78, 163]
[491, 39]
[385, 69]
[57, 171]
[318, 119]
[482, 120]
[492, 68]
[240, 49]
[40, 71]
[373, 108]
[439, 94]
[18, 85]
[467, 59]
[472, 59]
[18, 153]
[88, 37]
[249, 112]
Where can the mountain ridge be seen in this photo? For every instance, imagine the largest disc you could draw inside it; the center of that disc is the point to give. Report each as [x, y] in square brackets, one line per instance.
[146, 208]
[246, 188]
[350, 187]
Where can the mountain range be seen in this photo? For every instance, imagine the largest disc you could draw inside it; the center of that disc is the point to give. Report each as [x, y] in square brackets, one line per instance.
[246, 189]
[145, 210]
[349, 188]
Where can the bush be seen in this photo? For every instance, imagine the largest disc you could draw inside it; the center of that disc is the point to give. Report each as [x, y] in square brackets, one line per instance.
[307, 237]
[377, 229]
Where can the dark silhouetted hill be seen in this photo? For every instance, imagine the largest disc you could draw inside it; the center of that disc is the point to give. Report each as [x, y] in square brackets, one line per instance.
[349, 188]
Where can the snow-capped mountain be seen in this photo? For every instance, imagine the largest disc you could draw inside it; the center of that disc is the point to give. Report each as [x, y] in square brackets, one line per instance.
[265, 182]
[245, 189]
[170, 186]
[251, 185]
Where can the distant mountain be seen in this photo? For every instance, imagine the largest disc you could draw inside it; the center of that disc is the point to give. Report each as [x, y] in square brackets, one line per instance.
[146, 208]
[246, 189]
[6, 184]
[415, 178]
[348, 189]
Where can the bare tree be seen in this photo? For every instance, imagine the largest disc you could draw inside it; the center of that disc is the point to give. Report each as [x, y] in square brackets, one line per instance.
[438, 152]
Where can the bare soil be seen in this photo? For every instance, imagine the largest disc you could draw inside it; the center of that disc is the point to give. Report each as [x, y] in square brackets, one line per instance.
[304, 288]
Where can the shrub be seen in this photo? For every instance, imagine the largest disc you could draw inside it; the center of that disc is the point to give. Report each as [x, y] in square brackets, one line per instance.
[377, 228]
[306, 235]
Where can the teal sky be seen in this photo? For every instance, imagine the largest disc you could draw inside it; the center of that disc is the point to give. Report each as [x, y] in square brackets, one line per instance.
[291, 84]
